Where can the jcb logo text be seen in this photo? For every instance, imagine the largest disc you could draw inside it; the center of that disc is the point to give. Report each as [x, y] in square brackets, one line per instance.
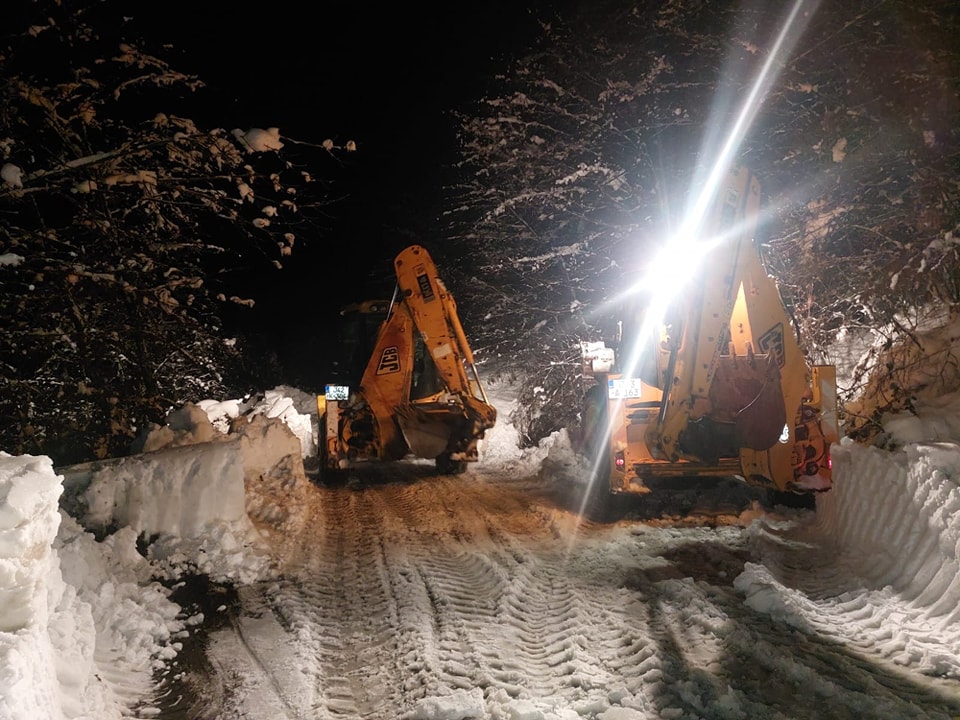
[389, 361]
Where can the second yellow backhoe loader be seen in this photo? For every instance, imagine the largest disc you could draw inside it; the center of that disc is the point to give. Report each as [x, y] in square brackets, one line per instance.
[713, 381]
[420, 394]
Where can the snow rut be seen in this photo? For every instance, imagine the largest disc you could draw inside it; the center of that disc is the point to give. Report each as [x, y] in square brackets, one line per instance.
[507, 615]
[340, 604]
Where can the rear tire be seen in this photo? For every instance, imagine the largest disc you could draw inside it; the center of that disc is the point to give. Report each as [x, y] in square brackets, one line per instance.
[447, 466]
[597, 499]
[325, 474]
[596, 444]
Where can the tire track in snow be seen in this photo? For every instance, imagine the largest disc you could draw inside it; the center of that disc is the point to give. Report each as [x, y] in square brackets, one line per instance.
[438, 651]
[464, 574]
[247, 686]
[510, 617]
[339, 602]
[560, 633]
[462, 590]
[335, 605]
[273, 670]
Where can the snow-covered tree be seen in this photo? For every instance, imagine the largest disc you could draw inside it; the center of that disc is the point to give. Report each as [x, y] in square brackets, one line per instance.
[123, 228]
[578, 162]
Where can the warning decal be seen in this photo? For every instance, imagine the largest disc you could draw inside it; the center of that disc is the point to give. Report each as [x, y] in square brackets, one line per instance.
[426, 289]
[771, 342]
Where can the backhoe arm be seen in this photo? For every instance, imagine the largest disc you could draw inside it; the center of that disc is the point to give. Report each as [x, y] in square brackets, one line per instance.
[434, 313]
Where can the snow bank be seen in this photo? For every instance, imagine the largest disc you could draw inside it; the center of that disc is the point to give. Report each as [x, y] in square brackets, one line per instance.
[899, 515]
[29, 518]
[29, 576]
[174, 491]
[83, 623]
[195, 492]
[882, 551]
[52, 623]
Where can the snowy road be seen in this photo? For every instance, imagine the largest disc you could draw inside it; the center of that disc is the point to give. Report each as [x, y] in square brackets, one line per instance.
[477, 596]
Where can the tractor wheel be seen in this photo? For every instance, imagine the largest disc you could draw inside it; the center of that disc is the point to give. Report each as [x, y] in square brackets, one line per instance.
[447, 466]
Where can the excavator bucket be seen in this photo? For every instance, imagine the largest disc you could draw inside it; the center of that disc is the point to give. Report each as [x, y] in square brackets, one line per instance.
[746, 391]
[427, 436]
[759, 425]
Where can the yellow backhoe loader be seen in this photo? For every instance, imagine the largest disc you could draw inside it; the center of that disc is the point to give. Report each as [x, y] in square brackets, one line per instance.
[420, 394]
[712, 382]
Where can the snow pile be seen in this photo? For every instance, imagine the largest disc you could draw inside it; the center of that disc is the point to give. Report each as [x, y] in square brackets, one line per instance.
[294, 407]
[137, 625]
[71, 605]
[499, 446]
[878, 562]
[30, 583]
[219, 489]
[211, 420]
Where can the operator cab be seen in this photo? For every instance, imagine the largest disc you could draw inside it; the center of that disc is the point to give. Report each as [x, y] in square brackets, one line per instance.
[359, 326]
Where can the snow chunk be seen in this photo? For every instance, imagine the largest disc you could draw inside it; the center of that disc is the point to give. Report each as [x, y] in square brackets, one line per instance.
[258, 139]
[457, 706]
[11, 175]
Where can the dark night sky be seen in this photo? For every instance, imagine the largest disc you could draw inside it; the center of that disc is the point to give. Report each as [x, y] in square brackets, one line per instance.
[368, 70]
[383, 77]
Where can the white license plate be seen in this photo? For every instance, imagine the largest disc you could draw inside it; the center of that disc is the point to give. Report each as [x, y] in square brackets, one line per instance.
[624, 388]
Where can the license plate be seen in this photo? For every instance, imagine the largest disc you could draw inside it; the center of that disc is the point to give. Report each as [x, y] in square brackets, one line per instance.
[621, 388]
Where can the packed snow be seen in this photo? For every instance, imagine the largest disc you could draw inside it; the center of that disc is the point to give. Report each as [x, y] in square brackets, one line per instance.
[85, 624]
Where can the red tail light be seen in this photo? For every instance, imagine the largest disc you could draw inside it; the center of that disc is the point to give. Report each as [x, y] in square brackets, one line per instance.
[619, 461]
